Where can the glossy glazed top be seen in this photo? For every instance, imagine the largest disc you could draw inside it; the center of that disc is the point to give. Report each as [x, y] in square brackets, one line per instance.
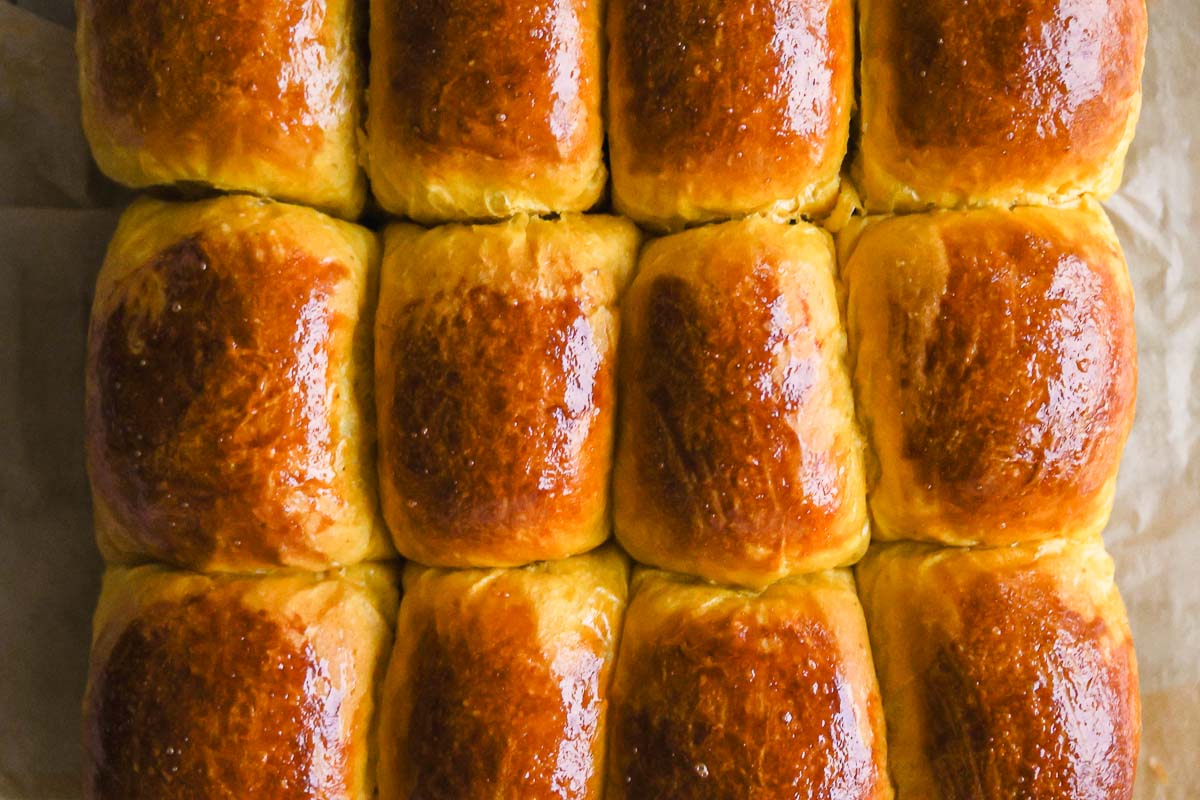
[255, 70]
[745, 86]
[723, 695]
[216, 422]
[506, 80]
[498, 407]
[186, 679]
[739, 457]
[1000, 349]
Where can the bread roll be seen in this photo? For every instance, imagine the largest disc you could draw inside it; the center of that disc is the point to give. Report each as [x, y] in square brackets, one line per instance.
[995, 370]
[261, 97]
[229, 416]
[1005, 672]
[223, 687]
[480, 109]
[494, 362]
[739, 457]
[1024, 101]
[498, 686]
[727, 694]
[720, 109]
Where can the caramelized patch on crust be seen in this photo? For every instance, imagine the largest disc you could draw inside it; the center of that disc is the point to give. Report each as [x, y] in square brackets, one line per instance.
[210, 699]
[492, 714]
[756, 81]
[741, 709]
[720, 385]
[215, 424]
[1020, 389]
[1013, 77]
[249, 68]
[503, 78]
[500, 412]
[1026, 703]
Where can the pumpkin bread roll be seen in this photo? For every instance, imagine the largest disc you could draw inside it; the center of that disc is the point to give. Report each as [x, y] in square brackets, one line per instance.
[721, 109]
[495, 386]
[739, 457]
[260, 97]
[224, 687]
[1019, 102]
[498, 686]
[481, 109]
[995, 369]
[1005, 672]
[230, 424]
[721, 693]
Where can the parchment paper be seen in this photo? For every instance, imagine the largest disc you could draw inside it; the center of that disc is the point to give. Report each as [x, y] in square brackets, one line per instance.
[56, 215]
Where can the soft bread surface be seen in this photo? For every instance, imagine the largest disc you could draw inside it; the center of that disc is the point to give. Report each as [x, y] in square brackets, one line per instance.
[739, 458]
[720, 109]
[230, 424]
[498, 686]
[495, 376]
[994, 363]
[224, 688]
[1005, 672]
[996, 103]
[722, 694]
[260, 96]
[480, 109]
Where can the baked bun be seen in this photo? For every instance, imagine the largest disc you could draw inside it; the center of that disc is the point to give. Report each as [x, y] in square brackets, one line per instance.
[1005, 672]
[727, 694]
[739, 457]
[996, 103]
[498, 686]
[480, 109]
[995, 369]
[229, 416]
[215, 687]
[720, 109]
[495, 386]
[260, 97]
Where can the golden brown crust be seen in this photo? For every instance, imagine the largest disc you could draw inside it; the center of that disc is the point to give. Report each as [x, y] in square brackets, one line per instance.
[1004, 672]
[739, 456]
[724, 108]
[727, 694]
[494, 354]
[190, 674]
[997, 103]
[995, 367]
[485, 108]
[228, 369]
[259, 96]
[499, 683]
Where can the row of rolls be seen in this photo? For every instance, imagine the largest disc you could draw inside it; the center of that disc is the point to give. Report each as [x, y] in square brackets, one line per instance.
[277, 403]
[862, 475]
[482, 109]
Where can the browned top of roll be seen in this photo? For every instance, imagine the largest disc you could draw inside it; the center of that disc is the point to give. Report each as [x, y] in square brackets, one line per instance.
[1004, 670]
[188, 65]
[498, 686]
[1017, 80]
[1025, 677]
[468, 683]
[721, 414]
[1027, 372]
[496, 77]
[751, 83]
[500, 401]
[728, 695]
[215, 397]
[996, 359]
[173, 692]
